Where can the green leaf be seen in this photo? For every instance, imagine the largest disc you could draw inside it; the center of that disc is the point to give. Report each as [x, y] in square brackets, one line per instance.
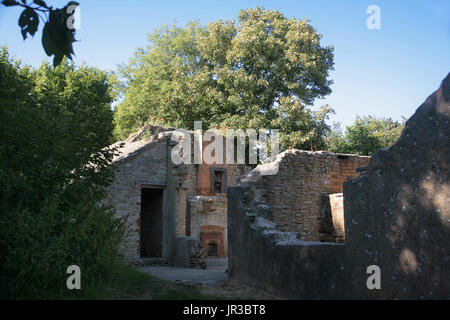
[57, 59]
[28, 22]
[47, 42]
[57, 39]
[41, 3]
[50, 47]
[61, 35]
[10, 3]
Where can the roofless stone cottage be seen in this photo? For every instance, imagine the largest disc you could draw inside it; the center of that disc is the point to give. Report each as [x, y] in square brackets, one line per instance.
[169, 207]
[172, 208]
[311, 228]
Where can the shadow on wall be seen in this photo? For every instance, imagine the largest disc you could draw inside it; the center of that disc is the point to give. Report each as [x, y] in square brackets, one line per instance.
[397, 212]
[396, 217]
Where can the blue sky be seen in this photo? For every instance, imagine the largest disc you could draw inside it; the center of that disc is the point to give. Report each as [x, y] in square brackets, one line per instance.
[387, 72]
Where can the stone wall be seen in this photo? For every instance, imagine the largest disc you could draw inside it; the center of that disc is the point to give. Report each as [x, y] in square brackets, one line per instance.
[396, 216]
[187, 252]
[136, 168]
[144, 161]
[209, 215]
[398, 209]
[233, 172]
[186, 186]
[293, 195]
[261, 256]
[208, 210]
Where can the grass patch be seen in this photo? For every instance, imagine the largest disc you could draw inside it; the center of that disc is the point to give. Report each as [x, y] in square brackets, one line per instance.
[127, 282]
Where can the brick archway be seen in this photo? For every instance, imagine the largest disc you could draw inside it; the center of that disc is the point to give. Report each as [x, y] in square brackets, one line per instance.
[212, 238]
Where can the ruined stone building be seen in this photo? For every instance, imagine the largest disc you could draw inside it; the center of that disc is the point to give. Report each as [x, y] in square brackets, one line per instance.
[304, 197]
[395, 225]
[306, 225]
[167, 205]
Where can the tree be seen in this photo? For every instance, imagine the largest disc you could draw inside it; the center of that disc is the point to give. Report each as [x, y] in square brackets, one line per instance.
[261, 71]
[365, 136]
[56, 124]
[57, 35]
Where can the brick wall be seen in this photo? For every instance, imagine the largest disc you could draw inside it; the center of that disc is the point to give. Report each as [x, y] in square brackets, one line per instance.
[209, 214]
[234, 171]
[344, 169]
[208, 208]
[213, 235]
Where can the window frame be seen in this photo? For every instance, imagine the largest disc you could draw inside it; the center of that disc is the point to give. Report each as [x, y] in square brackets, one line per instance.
[213, 179]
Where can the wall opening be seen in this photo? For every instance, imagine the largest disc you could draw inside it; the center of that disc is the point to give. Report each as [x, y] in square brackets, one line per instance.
[151, 231]
[331, 219]
[212, 249]
[218, 180]
[212, 239]
[188, 218]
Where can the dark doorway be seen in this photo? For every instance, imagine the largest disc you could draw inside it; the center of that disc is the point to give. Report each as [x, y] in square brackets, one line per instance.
[151, 223]
[212, 249]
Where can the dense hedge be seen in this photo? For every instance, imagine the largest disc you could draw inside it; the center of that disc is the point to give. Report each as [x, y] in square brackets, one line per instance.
[55, 126]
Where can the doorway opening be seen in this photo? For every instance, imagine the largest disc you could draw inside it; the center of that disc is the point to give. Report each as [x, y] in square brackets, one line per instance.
[151, 231]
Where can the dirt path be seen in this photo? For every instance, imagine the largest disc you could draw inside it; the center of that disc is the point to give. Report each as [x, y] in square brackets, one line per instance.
[232, 289]
[210, 283]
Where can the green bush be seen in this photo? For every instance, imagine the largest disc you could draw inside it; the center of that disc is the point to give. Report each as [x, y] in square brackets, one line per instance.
[366, 135]
[56, 124]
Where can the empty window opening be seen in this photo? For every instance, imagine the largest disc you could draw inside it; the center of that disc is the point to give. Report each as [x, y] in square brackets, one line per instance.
[218, 180]
[218, 183]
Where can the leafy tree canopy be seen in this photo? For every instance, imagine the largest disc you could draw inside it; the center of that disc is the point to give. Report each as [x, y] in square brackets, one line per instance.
[365, 136]
[260, 71]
